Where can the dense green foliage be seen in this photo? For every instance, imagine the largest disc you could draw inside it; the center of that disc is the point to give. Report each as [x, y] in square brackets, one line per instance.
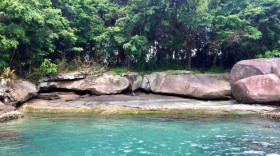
[139, 34]
[47, 68]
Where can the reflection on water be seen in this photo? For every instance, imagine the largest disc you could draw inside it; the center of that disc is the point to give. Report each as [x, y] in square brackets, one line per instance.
[9, 135]
[139, 136]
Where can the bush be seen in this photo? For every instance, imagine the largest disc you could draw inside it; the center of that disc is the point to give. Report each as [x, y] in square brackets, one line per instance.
[270, 54]
[8, 75]
[47, 68]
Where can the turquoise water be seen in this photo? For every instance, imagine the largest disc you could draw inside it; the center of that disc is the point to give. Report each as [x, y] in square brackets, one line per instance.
[66, 136]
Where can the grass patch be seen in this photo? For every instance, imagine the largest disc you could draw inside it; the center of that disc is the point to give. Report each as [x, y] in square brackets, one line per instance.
[212, 70]
[119, 71]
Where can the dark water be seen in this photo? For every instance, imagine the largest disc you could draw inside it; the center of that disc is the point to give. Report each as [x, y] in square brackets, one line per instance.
[67, 136]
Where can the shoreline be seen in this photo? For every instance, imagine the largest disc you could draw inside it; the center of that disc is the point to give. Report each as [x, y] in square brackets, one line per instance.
[141, 105]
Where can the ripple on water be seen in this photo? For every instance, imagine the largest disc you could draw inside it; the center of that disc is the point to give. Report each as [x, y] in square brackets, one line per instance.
[141, 136]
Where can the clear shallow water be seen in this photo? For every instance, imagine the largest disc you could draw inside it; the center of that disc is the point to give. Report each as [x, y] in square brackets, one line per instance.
[139, 136]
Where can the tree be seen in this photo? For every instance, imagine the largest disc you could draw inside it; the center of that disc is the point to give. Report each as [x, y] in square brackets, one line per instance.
[139, 34]
[29, 31]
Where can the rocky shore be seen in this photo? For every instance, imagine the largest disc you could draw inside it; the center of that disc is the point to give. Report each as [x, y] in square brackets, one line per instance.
[140, 104]
[252, 86]
[9, 113]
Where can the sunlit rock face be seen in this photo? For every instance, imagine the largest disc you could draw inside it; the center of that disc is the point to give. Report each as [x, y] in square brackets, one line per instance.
[257, 89]
[105, 84]
[247, 68]
[17, 91]
[201, 86]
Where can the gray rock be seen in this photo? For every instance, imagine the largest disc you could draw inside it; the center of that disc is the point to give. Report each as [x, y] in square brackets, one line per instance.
[135, 81]
[10, 116]
[145, 86]
[105, 84]
[9, 113]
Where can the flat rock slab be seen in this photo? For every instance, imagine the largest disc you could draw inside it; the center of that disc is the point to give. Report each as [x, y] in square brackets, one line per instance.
[114, 104]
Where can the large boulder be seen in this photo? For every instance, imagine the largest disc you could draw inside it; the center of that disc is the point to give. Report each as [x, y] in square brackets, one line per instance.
[17, 91]
[257, 89]
[105, 84]
[247, 68]
[135, 81]
[201, 86]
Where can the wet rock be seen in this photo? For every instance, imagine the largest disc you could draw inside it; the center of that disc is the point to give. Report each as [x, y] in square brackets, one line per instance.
[201, 86]
[10, 116]
[135, 81]
[9, 113]
[275, 114]
[17, 91]
[257, 89]
[105, 84]
[247, 68]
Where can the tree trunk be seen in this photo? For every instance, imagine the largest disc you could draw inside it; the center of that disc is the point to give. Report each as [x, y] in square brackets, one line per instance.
[189, 58]
[188, 50]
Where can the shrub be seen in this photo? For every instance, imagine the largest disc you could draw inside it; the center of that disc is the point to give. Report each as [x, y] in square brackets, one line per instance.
[270, 54]
[47, 68]
[8, 75]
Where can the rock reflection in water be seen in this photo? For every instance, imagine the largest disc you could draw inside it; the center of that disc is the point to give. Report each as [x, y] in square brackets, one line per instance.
[6, 135]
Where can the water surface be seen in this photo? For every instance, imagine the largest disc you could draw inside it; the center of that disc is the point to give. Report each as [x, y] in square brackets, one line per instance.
[66, 136]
